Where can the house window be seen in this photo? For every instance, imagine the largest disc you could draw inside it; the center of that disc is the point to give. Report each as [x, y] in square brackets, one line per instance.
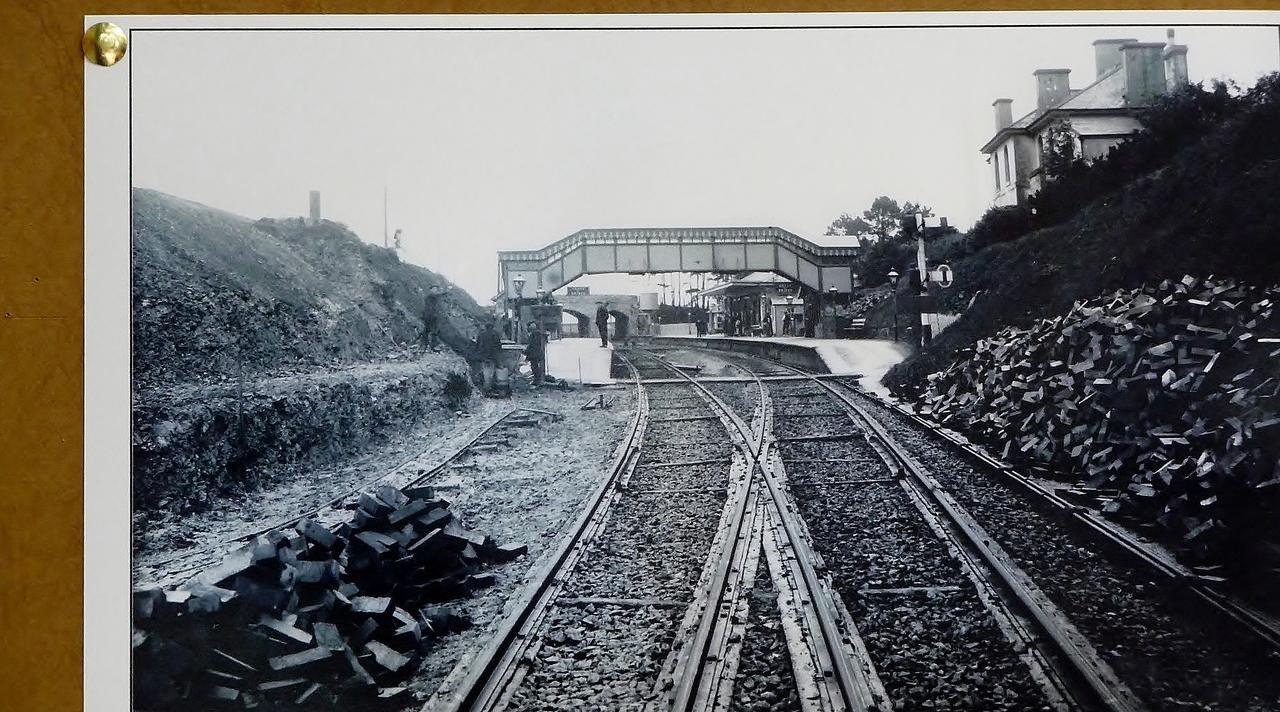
[1007, 161]
[995, 163]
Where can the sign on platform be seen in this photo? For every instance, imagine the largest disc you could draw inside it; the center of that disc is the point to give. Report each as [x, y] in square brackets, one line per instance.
[942, 276]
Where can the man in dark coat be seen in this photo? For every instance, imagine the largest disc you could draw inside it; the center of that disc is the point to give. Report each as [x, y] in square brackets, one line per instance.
[431, 317]
[489, 351]
[536, 351]
[602, 323]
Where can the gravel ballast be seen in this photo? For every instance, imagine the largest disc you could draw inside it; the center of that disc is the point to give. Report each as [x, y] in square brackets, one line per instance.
[1172, 658]
[943, 651]
[875, 536]
[600, 657]
[653, 546]
[742, 398]
[765, 682]
[808, 426]
[681, 477]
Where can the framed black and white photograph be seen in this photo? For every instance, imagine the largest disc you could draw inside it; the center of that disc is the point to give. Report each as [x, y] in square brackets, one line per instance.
[903, 361]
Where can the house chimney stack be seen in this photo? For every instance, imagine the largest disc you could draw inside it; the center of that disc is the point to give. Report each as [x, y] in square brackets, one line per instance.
[1004, 113]
[1175, 63]
[1053, 86]
[1106, 54]
[1143, 72]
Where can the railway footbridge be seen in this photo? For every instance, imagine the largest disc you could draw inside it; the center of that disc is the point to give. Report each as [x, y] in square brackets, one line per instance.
[821, 268]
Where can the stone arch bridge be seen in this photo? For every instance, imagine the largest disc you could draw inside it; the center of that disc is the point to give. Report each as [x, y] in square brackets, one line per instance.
[624, 308]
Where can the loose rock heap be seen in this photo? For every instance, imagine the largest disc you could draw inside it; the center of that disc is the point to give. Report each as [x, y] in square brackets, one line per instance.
[313, 616]
[1166, 393]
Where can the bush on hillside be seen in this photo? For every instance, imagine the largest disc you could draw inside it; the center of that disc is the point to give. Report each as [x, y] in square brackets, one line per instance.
[1000, 224]
[1175, 120]
[890, 253]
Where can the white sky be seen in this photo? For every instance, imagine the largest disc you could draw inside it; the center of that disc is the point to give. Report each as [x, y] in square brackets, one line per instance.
[511, 140]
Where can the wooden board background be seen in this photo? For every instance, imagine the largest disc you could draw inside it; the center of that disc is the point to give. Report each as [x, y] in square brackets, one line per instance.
[41, 289]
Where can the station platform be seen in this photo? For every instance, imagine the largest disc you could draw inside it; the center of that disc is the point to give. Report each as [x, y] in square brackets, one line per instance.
[871, 358]
[580, 361]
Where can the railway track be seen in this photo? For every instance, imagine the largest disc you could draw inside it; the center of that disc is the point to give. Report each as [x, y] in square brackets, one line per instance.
[176, 568]
[764, 511]
[597, 624]
[1167, 639]
[681, 600]
[828, 665]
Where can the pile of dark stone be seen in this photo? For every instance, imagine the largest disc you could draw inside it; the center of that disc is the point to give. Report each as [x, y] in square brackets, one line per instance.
[312, 616]
[1165, 394]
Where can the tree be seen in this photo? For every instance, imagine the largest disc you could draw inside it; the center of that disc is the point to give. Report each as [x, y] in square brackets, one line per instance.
[1059, 153]
[881, 221]
[846, 224]
[884, 217]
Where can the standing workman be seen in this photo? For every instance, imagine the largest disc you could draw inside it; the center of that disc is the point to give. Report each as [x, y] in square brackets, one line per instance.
[602, 323]
[431, 317]
[489, 351]
[536, 351]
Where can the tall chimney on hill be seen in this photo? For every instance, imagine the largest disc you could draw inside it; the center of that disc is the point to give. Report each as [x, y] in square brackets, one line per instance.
[314, 219]
[1175, 63]
[1004, 113]
[1053, 86]
[1143, 72]
[1106, 54]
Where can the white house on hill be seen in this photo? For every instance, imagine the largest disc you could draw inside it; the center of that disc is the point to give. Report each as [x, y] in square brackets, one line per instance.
[1130, 75]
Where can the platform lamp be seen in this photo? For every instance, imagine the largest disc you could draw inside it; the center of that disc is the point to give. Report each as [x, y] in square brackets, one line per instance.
[518, 283]
[791, 302]
[893, 281]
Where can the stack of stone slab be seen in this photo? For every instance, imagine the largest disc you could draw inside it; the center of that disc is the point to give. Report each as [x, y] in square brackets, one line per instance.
[1167, 394]
[313, 616]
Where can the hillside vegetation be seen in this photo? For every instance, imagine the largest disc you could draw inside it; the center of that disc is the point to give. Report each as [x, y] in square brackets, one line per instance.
[1212, 208]
[216, 294]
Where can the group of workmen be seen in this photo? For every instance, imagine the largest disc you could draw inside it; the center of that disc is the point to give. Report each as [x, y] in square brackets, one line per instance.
[489, 347]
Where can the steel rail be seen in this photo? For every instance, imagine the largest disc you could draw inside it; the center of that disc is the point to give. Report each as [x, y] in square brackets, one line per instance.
[693, 683]
[483, 681]
[1096, 684]
[1265, 629]
[338, 499]
[857, 685]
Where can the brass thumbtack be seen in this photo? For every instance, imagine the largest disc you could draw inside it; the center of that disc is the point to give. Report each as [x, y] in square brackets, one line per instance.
[105, 44]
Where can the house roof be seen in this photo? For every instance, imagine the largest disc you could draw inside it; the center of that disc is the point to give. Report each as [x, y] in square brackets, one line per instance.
[1106, 93]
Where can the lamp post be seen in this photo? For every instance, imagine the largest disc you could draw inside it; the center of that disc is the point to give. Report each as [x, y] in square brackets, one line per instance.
[518, 283]
[893, 281]
[791, 321]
